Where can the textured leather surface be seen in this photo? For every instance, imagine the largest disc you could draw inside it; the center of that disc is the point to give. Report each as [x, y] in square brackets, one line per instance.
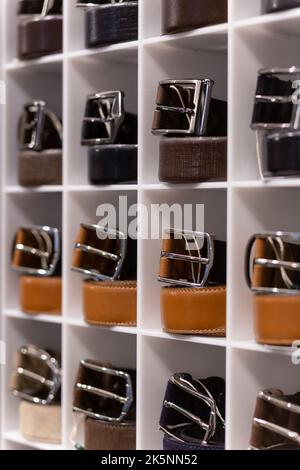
[110, 164]
[193, 160]
[40, 423]
[277, 319]
[40, 168]
[111, 24]
[194, 311]
[37, 38]
[40, 295]
[106, 436]
[183, 15]
[269, 6]
[110, 303]
[281, 156]
[262, 438]
[171, 444]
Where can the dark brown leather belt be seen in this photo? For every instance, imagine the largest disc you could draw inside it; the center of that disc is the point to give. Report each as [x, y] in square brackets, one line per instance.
[194, 128]
[40, 31]
[276, 424]
[270, 6]
[105, 396]
[196, 302]
[183, 15]
[40, 141]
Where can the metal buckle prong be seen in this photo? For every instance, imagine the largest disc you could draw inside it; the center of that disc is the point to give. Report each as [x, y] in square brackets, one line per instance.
[95, 251]
[187, 414]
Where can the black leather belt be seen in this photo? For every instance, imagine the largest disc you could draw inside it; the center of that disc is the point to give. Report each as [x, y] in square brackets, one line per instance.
[183, 15]
[111, 135]
[193, 414]
[276, 124]
[195, 127]
[108, 22]
[270, 6]
[40, 28]
[40, 140]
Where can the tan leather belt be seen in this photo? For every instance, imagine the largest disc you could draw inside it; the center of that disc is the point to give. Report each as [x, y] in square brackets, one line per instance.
[40, 423]
[40, 168]
[182, 15]
[196, 304]
[193, 159]
[41, 295]
[105, 436]
[276, 423]
[110, 303]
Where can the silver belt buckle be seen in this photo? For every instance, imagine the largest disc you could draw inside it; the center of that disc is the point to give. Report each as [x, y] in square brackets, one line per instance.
[126, 401]
[118, 259]
[191, 237]
[46, 250]
[32, 124]
[106, 109]
[194, 100]
[267, 395]
[208, 428]
[276, 241]
[52, 384]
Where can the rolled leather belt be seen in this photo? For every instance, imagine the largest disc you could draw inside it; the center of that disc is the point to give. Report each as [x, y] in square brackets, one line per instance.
[40, 295]
[112, 164]
[192, 310]
[113, 301]
[180, 404]
[39, 34]
[108, 426]
[108, 22]
[40, 423]
[194, 128]
[269, 6]
[184, 15]
[276, 423]
[40, 157]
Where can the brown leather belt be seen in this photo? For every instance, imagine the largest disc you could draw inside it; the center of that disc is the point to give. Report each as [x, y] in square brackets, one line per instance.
[40, 295]
[197, 302]
[194, 128]
[191, 160]
[40, 423]
[105, 436]
[273, 274]
[40, 168]
[276, 423]
[110, 292]
[183, 15]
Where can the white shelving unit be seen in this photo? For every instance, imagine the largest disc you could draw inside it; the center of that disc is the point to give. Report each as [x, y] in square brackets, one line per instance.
[231, 54]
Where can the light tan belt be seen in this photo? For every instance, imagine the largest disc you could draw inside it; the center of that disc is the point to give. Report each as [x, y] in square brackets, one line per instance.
[40, 423]
[194, 311]
[277, 319]
[41, 295]
[110, 303]
[107, 436]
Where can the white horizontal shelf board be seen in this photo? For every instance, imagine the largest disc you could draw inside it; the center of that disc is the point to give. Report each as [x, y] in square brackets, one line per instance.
[285, 22]
[158, 333]
[51, 62]
[208, 38]
[275, 183]
[79, 323]
[251, 345]
[81, 188]
[182, 187]
[126, 52]
[15, 313]
[41, 189]
[16, 437]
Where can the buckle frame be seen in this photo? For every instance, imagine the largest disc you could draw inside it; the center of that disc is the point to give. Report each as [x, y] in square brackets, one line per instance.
[197, 116]
[111, 113]
[52, 384]
[118, 259]
[126, 401]
[208, 261]
[106, 3]
[210, 427]
[49, 259]
[36, 125]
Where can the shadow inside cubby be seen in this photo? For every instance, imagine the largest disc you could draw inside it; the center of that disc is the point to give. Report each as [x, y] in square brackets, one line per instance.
[88, 207]
[160, 63]
[160, 359]
[213, 203]
[114, 349]
[23, 87]
[24, 210]
[263, 49]
[264, 209]
[89, 77]
[20, 333]
[253, 373]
